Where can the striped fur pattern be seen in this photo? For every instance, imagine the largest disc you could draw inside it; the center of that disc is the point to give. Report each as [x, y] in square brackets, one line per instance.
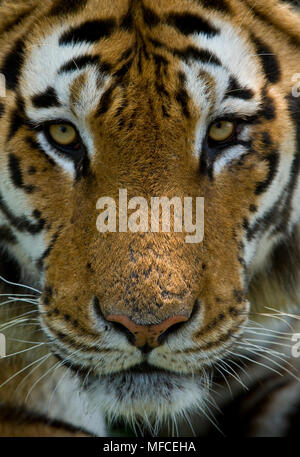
[142, 81]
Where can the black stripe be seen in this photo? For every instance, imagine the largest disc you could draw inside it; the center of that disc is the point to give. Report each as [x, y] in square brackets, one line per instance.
[17, 175]
[36, 146]
[63, 7]
[47, 295]
[2, 109]
[88, 32]
[273, 160]
[46, 99]
[17, 119]
[12, 65]
[21, 223]
[123, 70]
[267, 109]
[183, 99]
[69, 340]
[269, 218]
[40, 262]
[279, 214]
[269, 61]
[20, 415]
[264, 14]
[219, 5]
[127, 20]
[294, 109]
[292, 2]
[105, 101]
[83, 373]
[17, 20]
[150, 18]
[192, 53]
[190, 23]
[188, 53]
[16, 122]
[156, 43]
[236, 91]
[79, 63]
[6, 235]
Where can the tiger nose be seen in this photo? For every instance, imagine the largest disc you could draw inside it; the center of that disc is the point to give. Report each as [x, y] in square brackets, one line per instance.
[147, 336]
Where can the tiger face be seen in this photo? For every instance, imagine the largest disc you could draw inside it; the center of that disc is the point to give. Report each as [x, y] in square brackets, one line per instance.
[176, 98]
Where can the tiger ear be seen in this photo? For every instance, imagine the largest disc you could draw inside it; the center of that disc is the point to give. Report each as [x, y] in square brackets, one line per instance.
[278, 285]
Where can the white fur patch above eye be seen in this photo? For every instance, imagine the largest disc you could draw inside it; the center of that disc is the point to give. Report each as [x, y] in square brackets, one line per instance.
[234, 53]
[46, 60]
[43, 67]
[237, 62]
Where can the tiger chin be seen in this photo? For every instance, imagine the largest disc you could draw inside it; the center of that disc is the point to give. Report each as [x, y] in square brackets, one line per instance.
[175, 101]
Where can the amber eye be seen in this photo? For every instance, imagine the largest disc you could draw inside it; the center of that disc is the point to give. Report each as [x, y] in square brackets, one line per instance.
[221, 131]
[63, 134]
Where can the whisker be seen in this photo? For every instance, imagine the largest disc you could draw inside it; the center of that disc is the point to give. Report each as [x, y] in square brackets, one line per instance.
[234, 374]
[21, 371]
[32, 371]
[23, 322]
[262, 328]
[56, 366]
[239, 367]
[281, 313]
[21, 315]
[268, 341]
[262, 351]
[273, 316]
[23, 350]
[18, 295]
[224, 377]
[25, 341]
[255, 362]
[262, 354]
[269, 335]
[20, 285]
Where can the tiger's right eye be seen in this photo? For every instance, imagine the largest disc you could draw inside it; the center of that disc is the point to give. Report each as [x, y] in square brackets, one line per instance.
[63, 134]
[221, 131]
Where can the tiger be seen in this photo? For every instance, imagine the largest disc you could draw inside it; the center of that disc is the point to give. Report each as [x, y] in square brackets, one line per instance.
[167, 99]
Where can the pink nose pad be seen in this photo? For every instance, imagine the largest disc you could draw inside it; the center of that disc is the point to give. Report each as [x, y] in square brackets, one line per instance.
[143, 335]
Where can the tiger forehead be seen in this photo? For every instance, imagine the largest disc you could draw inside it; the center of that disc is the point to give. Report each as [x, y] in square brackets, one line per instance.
[166, 44]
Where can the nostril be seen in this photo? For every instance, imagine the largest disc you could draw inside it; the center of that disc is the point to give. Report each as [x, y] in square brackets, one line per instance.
[145, 337]
[116, 325]
[121, 328]
[172, 329]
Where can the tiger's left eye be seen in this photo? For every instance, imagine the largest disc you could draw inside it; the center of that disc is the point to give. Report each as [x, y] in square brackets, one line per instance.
[221, 131]
[63, 134]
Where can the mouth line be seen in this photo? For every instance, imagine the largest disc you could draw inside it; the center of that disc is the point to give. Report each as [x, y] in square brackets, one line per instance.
[145, 368]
